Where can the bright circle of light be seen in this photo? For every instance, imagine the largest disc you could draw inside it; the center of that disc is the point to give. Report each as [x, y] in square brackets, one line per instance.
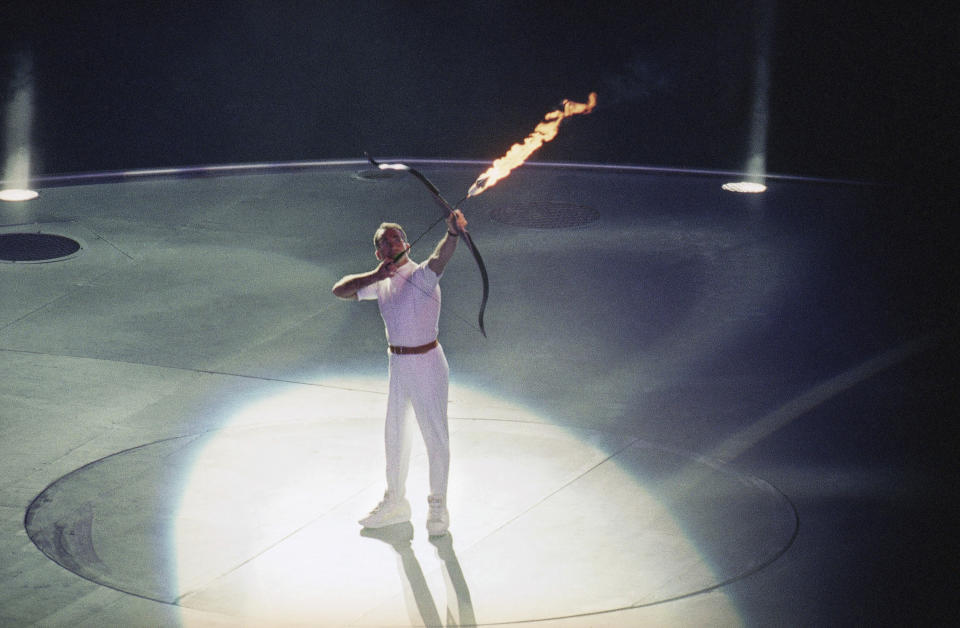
[745, 187]
[16, 194]
[297, 492]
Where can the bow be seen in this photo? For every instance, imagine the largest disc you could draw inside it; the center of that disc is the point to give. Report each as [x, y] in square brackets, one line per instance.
[446, 210]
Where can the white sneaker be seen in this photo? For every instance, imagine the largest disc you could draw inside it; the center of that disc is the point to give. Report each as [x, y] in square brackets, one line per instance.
[387, 513]
[438, 520]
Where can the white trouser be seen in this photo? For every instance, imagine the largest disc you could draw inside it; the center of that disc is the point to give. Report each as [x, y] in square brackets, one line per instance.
[421, 381]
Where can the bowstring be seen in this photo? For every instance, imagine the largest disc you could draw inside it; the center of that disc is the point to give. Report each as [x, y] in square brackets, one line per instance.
[428, 230]
[424, 290]
[425, 232]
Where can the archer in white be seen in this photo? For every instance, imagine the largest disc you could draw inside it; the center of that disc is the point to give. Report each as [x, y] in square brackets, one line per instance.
[408, 294]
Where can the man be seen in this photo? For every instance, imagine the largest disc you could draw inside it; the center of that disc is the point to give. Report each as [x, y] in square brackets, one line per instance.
[408, 295]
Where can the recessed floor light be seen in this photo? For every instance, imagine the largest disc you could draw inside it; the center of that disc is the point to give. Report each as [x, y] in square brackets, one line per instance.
[15, 194]
[745, 187]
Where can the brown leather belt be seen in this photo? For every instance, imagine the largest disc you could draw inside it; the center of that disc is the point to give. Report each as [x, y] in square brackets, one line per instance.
[413, 350]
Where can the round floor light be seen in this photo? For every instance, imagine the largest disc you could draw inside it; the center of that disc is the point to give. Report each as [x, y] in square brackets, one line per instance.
[745, 187]
[15, 194]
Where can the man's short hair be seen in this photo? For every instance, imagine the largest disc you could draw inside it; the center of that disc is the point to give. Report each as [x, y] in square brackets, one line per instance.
[383, 228]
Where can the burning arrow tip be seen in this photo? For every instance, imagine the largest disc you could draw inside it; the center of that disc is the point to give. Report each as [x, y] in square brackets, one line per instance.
[518, 153]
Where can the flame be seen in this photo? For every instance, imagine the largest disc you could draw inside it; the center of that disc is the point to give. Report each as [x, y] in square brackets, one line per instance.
[518, 153]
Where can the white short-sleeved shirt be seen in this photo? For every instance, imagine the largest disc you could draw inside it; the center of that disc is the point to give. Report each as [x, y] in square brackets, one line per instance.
[409, 304]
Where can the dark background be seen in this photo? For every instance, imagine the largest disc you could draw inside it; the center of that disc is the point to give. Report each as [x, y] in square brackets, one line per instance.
[857, 89]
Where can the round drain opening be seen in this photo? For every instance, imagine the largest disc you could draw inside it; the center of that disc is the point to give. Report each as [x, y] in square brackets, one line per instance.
[545, 215]
[35, 247]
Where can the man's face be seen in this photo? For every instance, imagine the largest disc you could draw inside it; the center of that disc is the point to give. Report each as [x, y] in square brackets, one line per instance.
[391, 244]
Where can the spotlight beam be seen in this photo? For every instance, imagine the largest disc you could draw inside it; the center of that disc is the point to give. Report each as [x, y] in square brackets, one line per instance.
[18, 123]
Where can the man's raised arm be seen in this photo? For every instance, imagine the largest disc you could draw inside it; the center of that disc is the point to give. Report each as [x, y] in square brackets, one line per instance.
[448, 244]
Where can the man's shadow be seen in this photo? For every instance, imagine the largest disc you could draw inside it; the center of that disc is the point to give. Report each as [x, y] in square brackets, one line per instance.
[399, 537]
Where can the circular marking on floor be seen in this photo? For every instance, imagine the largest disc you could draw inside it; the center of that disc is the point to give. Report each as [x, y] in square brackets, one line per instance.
[36, 247]
[259, 523]
[545, 215]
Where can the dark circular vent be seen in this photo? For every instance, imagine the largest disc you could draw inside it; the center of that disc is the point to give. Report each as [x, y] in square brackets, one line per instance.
[545, 215]
[371, 174]
[35, 247]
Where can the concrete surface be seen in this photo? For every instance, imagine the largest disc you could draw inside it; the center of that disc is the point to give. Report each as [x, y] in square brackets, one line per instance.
[693, 407]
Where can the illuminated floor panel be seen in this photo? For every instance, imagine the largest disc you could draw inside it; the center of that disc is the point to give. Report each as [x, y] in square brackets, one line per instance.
[258, 522]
